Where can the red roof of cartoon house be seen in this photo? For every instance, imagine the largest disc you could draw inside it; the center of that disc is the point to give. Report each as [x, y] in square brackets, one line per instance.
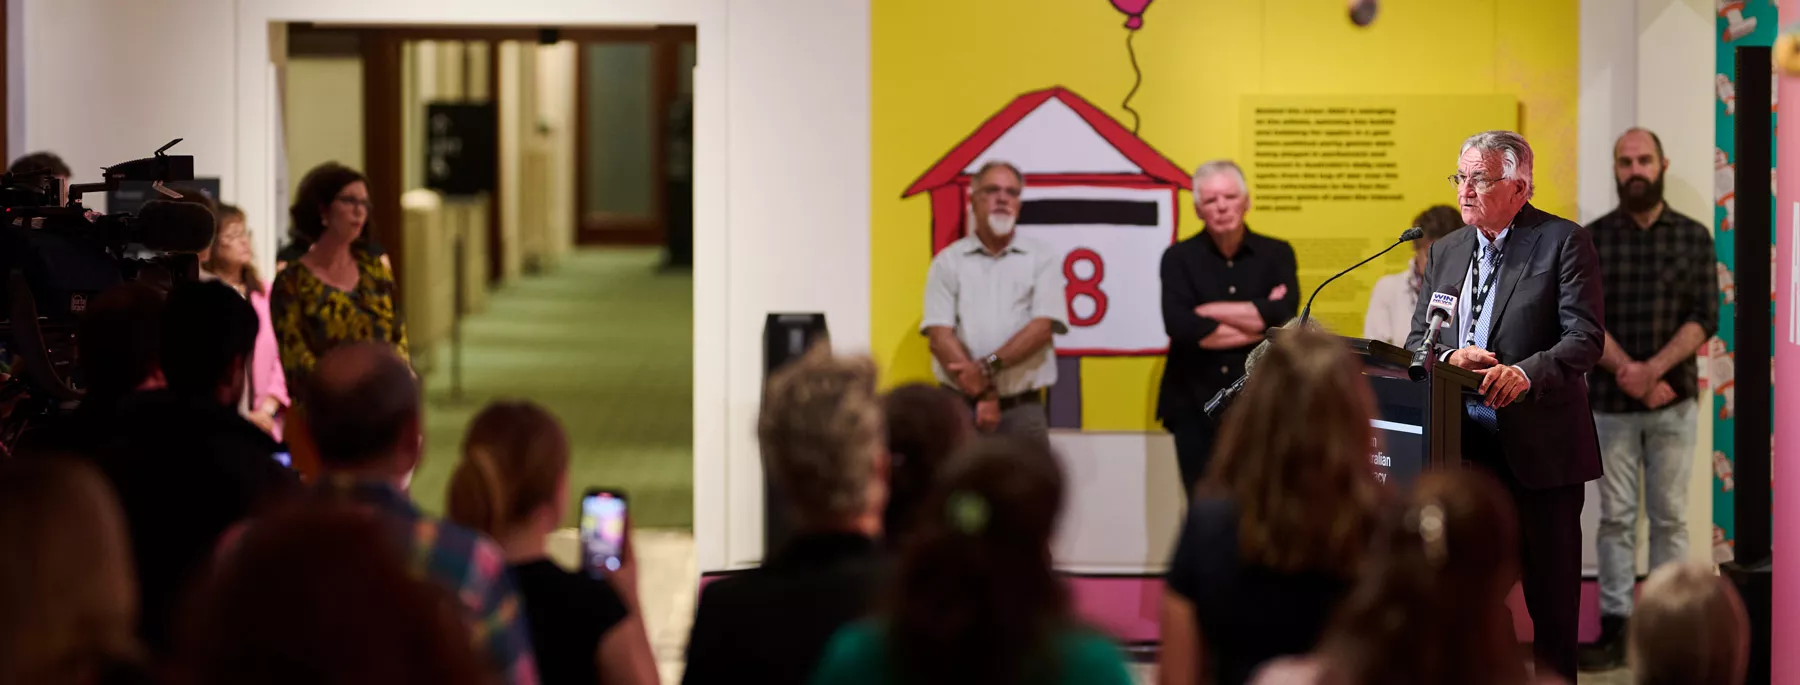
[1055, 132]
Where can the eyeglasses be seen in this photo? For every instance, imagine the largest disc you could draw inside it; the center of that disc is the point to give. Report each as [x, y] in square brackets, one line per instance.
[1482, 184]
[354, 201]
[1009, 192]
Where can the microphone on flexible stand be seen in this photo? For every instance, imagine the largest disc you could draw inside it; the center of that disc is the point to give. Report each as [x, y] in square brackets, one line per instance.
[1216, 406]
[1441, 310]
[1407, 236]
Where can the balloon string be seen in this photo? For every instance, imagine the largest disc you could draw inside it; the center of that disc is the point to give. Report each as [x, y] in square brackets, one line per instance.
[1138, 75]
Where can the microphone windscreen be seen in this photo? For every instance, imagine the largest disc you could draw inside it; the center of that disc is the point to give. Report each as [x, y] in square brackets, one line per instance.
[1443, 301]
[166, 226]
[1411, 234]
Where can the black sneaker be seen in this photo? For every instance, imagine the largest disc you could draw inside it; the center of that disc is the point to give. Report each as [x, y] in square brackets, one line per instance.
[1608, 652]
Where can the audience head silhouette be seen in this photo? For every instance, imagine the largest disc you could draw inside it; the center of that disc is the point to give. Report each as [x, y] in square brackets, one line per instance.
[362, 408]
[208, 335]
[822, 441]
[976, 599]
[69, 594]
[513, 473]
[322, 594]
[925, 423]
[1689, 628]
[1305, 497]
[120, 340]
[1430, 607]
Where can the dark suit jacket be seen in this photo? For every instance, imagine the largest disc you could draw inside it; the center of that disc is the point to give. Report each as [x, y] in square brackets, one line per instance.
[1547, 321]
[771, 624]
[1194, 273]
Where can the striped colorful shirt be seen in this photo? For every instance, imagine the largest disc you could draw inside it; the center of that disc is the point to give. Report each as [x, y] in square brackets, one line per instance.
[470, 566]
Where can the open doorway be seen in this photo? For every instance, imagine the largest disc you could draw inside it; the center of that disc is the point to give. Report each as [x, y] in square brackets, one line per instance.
[667, 589]
[543, 273]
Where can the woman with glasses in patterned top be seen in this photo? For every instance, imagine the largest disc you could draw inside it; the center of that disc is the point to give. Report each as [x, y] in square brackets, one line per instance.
[340, 290]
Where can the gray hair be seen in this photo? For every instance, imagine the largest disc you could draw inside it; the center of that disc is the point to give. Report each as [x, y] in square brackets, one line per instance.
[991, 165]
[821, 429]
[1515, 154]
[1214, 168]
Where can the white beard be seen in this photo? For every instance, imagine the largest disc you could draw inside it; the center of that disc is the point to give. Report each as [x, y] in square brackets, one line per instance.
[1001, 224]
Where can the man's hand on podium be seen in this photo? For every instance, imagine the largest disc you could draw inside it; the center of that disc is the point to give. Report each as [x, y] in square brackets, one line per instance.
[1473, 358]
[1502, 384]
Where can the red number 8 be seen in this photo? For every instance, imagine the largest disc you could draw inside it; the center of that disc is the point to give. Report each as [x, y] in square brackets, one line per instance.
[1089, 286]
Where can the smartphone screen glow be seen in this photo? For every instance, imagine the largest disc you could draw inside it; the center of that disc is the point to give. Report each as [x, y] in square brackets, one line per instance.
[602, 533]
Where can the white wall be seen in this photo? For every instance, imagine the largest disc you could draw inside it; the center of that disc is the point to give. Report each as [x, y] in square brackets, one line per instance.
[1649, 63]
[102, 82]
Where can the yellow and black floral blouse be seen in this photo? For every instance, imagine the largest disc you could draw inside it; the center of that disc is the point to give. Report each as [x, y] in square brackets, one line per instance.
[311, 317]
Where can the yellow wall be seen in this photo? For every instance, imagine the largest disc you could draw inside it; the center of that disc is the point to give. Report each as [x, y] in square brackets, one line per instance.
[323, 116]
[941, 67]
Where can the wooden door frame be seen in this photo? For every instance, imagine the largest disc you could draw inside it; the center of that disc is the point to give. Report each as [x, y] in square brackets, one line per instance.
[384, 155]
[665, 55]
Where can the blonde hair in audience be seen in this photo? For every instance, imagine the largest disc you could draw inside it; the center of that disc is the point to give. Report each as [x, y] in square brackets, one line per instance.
[1293, 455]
[1689, 627]
[68, 599]
[514, 461]
[822, 434]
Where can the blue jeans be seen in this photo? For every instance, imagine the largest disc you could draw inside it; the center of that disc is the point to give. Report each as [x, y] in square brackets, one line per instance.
[1656, 448]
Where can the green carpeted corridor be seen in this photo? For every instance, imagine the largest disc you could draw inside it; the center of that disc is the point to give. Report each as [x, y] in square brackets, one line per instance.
[605, 341]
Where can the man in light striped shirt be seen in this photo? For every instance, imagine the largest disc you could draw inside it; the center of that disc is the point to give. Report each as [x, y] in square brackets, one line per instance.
[992, 302]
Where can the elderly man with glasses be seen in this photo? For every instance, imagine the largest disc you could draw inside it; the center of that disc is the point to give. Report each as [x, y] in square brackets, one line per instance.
[993, 301]
[1528, 319]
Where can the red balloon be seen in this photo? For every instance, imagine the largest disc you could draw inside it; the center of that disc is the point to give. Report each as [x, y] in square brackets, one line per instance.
[1133, 9]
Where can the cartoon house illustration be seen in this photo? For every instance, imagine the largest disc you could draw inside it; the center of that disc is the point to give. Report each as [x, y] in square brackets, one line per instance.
[1103, 198]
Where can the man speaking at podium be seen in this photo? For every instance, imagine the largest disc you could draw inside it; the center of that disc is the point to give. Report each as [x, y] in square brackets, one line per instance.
[1528, 320]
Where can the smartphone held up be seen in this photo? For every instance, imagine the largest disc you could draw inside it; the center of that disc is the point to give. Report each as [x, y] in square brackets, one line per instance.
[603, 524]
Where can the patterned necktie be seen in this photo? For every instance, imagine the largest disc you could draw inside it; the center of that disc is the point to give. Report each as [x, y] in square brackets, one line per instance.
[1483, 313]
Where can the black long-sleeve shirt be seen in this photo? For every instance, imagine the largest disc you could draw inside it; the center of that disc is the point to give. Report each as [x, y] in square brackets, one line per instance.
[1195, 272]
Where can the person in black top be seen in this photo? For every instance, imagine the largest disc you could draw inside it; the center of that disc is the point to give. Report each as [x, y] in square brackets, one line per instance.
[1275, 533]
[185, 464]
[1221, 289]
[1662, 303]
[511, 485]
[821, 434]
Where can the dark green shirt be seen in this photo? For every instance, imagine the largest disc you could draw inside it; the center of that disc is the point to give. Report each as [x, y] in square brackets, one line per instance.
[858, 655]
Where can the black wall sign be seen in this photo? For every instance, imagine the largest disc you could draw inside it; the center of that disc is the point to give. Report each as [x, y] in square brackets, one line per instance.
[461, 147]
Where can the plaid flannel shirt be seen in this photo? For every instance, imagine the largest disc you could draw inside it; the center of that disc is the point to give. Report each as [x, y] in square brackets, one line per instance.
[463, 562]
[1656, 280]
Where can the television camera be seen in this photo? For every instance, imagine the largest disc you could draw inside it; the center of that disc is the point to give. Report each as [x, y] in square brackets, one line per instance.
[56, 255]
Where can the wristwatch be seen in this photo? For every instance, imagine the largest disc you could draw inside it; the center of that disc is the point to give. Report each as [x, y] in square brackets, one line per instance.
[991, 365]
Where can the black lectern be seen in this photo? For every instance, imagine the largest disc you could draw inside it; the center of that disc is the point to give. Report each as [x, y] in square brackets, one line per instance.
[1418, 424]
